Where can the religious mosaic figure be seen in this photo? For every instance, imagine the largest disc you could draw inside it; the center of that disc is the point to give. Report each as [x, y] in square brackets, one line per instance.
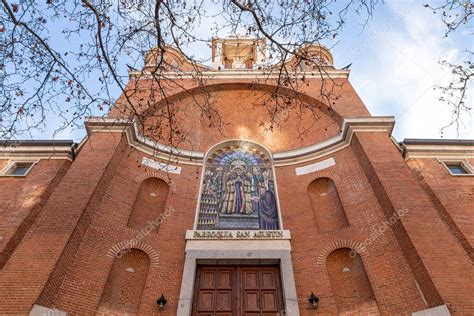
[258, 184]
[267, 209]
[218, 183]
[208, 186]
[237, 194]
[238, 190]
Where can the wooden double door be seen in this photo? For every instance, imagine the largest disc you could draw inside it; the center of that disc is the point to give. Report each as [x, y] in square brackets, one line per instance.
[237, 290]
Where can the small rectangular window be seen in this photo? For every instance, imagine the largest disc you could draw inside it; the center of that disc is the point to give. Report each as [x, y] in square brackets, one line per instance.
[18, 169]
[457, 168]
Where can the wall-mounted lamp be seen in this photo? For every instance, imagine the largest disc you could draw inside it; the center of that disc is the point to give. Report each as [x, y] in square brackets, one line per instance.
[161, 302]
[313, 300]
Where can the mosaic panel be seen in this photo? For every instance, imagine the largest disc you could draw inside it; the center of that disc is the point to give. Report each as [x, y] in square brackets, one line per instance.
[238, 191]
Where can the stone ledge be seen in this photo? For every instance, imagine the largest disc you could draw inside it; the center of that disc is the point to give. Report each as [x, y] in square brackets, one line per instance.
[38, 310]
[441, 310]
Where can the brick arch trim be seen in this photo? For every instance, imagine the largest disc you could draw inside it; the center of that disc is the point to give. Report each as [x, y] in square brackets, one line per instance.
[116, 250]
[330, 174]
[159, 175]
[343, 243]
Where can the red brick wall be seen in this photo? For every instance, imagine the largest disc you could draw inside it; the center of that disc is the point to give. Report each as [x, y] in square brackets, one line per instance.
[425, 239]
[250, 121]
[369, 308]
[50, 243]
[22, 200]
[85, 281]
[452, 195]
[386, 267]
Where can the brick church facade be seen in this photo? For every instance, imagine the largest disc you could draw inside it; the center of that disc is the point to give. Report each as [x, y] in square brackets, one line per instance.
[329, 218]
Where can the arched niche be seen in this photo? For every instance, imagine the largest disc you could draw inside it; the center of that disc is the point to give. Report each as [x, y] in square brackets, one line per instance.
[238, 189]
[327, 207]
[124, 286]
[349, 282]
[149, 203]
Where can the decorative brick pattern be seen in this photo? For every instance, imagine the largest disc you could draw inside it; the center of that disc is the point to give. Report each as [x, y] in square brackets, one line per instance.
[159, 175]
[356, 249]
[118, 250]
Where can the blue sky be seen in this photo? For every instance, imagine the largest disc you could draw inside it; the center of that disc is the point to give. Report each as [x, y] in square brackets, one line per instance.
[395, 66]
[394, 69]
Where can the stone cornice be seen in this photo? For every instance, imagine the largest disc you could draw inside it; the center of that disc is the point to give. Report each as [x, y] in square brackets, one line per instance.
[440, 149]
[27, 150]
[349, 126]
[136, 139]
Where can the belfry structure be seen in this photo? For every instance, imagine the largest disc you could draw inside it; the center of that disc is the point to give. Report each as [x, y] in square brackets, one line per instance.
[232, 189]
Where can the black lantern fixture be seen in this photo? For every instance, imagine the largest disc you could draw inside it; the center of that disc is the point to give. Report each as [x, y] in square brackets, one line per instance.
[161, 302]
[313, 300]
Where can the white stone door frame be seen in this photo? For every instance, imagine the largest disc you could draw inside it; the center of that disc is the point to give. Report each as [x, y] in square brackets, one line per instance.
[231, 251]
